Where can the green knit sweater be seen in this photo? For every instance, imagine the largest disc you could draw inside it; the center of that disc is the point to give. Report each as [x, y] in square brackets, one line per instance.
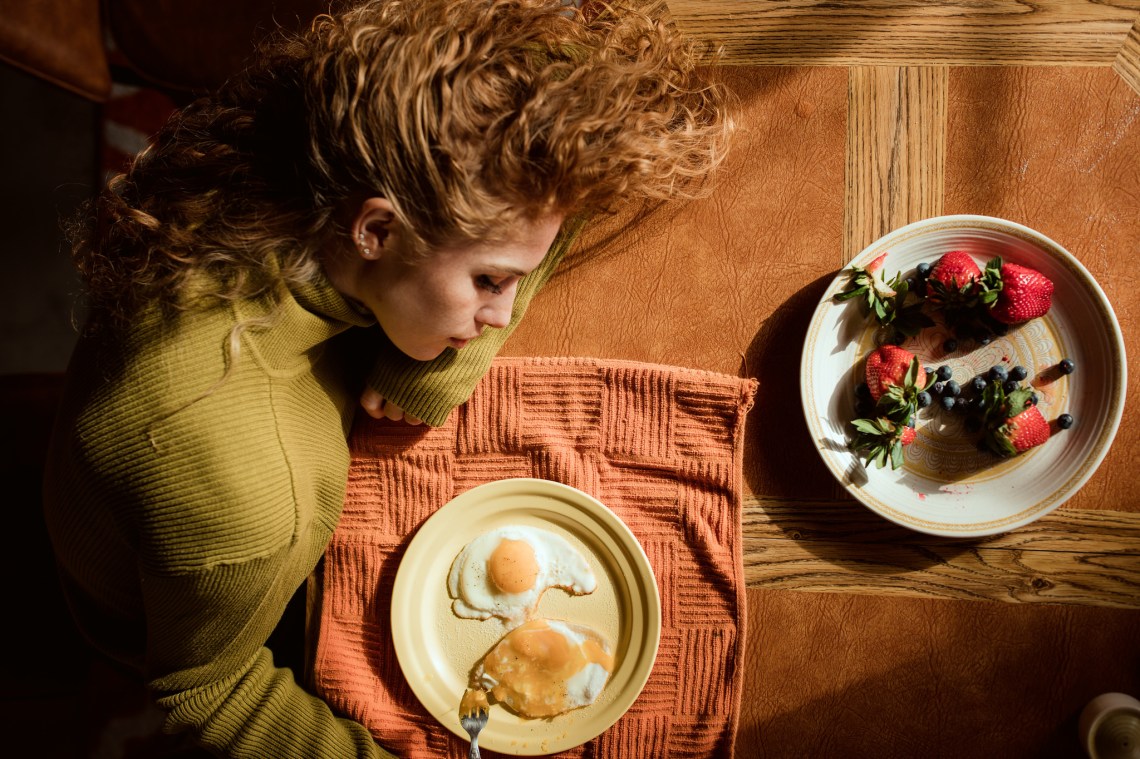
[187, 505]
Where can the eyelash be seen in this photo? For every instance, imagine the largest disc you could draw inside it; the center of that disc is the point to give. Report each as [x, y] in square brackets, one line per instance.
[489, 285]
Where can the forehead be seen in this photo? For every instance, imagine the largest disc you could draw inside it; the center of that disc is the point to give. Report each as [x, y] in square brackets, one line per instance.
[518, 250]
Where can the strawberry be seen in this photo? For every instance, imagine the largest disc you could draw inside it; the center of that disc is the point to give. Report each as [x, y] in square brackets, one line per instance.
[908, 435]
[955, 270]
[886, 299]
[894, 378]
[1016, 293]
[887, 367]
[953, 287]
[1013, 423]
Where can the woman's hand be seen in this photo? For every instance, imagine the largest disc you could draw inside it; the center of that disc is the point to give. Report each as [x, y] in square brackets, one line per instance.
[380, 408]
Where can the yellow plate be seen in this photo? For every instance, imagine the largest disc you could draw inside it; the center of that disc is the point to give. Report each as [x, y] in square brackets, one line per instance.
[437, 649]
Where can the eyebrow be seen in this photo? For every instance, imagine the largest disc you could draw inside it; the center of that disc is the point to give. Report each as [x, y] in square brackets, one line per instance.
[506, 270]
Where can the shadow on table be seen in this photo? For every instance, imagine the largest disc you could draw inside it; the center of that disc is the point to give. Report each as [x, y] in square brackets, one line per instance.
[781, 463]
[895, 714]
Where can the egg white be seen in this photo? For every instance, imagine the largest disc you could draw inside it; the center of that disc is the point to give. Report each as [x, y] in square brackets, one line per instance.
[476, 595]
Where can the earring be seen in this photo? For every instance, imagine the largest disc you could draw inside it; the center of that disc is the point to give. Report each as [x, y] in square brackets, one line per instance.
[364, 249]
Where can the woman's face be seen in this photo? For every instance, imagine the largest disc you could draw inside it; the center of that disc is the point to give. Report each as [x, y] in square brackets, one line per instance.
[447, 298]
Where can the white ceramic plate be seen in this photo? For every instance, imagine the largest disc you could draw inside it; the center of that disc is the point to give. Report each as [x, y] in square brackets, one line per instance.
[946, 486]
[437, 650]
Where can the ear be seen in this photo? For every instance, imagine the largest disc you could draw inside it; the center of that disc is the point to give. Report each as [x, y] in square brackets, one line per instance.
[374, 228]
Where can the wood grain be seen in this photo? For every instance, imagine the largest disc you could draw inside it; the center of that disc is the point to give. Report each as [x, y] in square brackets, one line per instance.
[1127, 62]
[901, 32]
[1072, 556]
[896, 150]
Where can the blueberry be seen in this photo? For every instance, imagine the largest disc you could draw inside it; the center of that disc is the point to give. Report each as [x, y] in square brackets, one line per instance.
[950, 345]
[862, 391]
[1066, 366]
[1018, 373]
[1010, 386]
[973, 423]
[945, 372]
[864, 407]
[961, 404]
[948, 403]
[978, 384]
[939, 388]
[911, 283]
[952, 388]
[998, 372]
[929, 370]
[923, 269]
[984, 340]
[1033, 399]
[923, 399]
[1065, 421]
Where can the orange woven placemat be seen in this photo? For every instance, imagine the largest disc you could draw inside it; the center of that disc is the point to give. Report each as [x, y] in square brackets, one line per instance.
[660, 446]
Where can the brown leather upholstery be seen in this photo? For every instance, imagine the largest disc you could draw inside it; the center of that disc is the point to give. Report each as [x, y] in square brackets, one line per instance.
[58, 40]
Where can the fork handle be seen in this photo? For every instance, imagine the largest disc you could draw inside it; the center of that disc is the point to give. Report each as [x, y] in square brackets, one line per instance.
[473, 752]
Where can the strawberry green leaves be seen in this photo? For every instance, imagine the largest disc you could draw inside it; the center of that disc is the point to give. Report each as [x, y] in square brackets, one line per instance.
[886, 300]
[881, 441]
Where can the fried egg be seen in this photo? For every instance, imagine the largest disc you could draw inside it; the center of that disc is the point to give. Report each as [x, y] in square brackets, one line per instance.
[503, 573]
[546, 667]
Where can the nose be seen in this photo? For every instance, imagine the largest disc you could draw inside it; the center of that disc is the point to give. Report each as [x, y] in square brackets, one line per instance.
[497, 313]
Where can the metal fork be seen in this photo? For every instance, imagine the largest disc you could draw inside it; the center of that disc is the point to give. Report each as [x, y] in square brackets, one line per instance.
[473, 722]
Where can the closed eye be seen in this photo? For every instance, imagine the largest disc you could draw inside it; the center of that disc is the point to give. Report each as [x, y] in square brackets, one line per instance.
[490, 285]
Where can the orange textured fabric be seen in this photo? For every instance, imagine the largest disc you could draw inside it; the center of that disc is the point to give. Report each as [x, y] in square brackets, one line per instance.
[660, 446]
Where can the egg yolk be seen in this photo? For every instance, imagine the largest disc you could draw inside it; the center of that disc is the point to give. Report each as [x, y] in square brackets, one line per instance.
[513, 566]
[532, 665]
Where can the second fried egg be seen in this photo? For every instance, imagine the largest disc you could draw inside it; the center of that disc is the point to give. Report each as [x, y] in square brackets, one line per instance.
[504, 572]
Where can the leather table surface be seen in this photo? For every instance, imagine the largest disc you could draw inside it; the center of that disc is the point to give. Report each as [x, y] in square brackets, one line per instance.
[884, 642]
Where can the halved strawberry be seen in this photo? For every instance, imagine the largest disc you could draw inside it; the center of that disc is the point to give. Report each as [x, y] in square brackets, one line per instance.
[1016, 293]
[1013, 423]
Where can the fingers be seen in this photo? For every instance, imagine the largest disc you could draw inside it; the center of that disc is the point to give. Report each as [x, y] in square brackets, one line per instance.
[378, 407]
[373, 403]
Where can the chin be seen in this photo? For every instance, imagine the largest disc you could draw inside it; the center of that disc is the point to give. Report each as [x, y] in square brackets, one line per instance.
[423, 354]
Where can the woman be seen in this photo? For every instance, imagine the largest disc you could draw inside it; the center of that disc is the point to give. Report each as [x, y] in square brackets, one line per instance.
[410, 165]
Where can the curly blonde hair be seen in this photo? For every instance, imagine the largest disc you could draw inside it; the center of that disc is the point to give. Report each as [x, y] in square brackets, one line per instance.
[466, 116]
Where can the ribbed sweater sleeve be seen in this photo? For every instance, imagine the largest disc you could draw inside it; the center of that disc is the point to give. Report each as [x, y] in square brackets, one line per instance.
[273, 718]
[187, 504]
[431, 390]
[222, 684]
